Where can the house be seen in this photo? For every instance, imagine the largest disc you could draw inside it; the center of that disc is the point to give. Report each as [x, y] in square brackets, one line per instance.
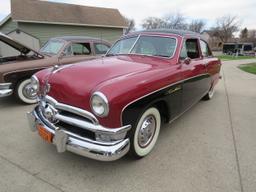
[214, 42]
[33, 22]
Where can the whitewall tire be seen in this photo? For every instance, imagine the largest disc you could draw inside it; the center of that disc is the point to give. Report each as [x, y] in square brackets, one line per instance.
[210, 94]
[146, 133]
[24, 92]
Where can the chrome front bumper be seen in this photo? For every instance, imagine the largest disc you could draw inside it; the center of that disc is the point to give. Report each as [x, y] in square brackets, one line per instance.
[67, 141]
[5, 89]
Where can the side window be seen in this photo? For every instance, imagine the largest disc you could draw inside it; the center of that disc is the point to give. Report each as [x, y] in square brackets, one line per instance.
[100, 48]
[192, 48]
[205, 49]
[183, 53]
[68, 51]
[81, 49]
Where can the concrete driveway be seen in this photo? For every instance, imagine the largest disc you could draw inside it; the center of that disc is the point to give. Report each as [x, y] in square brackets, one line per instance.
[212, 147]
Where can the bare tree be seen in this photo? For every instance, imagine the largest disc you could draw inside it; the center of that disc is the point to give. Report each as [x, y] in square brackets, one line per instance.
[252, 34]
[153, 23]
[130, 25]
[196, 26]
[226, 26]
[175, 21]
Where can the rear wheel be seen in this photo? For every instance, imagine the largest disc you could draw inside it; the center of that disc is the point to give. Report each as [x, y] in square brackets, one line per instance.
[25, 93]
[210, 94]
[145, 134]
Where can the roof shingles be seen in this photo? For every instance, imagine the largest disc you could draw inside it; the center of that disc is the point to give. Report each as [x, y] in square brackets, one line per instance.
[60, 13]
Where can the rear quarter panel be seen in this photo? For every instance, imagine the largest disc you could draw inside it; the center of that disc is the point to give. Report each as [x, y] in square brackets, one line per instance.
[213, 68]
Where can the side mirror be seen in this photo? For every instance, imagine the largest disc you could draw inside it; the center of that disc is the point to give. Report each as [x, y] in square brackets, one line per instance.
[187, 61]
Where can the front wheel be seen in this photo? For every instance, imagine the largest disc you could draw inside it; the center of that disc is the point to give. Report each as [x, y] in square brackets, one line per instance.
[25, 93]
[145, 134]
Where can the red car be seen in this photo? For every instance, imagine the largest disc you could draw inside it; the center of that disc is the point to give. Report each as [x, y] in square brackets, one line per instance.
[105, 108]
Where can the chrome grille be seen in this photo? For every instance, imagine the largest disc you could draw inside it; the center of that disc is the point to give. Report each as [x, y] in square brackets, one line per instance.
[70, 111]
[69, 118]
[78, 122]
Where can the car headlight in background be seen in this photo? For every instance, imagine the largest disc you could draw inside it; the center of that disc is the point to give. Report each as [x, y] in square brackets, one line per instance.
[34, 85]
[99, 104]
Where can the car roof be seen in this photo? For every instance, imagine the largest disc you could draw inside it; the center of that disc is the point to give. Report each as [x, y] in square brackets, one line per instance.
[78, 38]
[182, 33]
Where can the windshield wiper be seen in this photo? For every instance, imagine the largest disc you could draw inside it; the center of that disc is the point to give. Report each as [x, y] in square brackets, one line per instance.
[110, 55]
[159, 55]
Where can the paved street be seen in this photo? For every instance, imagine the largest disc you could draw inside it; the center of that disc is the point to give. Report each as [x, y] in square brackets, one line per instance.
[211, 148]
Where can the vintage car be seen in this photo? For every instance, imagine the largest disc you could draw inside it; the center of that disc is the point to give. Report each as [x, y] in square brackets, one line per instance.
[105, 108]
[19, 62]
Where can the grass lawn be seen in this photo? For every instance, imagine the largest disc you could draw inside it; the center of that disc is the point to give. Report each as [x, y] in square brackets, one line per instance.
[250, 68]
[230, 57]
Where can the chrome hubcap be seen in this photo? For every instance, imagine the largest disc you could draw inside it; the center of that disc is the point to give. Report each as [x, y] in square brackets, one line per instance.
[29, 92]
[147, 131]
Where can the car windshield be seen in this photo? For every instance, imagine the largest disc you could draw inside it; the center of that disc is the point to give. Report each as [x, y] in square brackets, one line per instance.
[52, 47]
[145, 45]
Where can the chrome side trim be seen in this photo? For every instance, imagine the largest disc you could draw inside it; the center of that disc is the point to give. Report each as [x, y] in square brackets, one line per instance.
[172, 84]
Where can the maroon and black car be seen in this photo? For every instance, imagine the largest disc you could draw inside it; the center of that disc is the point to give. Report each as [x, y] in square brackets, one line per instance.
[105, 108]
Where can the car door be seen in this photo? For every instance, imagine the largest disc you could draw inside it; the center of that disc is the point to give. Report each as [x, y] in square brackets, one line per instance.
[194, 73]
[75, 52]
[213, 64]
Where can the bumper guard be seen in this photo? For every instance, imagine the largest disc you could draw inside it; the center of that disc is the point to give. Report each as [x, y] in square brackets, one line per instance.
[5, 89]
[66, 141]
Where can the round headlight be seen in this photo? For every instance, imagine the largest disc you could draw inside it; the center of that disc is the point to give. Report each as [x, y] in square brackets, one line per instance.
[34, 84]
[99, 104]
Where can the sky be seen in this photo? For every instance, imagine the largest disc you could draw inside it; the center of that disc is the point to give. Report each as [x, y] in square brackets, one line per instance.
[207, 10]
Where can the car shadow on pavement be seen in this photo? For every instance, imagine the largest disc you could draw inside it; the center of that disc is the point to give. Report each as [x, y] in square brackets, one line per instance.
[10, 101]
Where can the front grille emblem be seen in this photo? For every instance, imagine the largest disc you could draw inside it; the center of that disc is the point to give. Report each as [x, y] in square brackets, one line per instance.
[50, 113]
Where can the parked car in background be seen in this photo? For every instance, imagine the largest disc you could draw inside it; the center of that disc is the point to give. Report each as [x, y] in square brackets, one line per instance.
[105, 108]
[242, 49]
[16, 70]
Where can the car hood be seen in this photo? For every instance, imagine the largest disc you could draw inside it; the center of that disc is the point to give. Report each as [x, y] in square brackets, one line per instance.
[75, 83]
[17, 45]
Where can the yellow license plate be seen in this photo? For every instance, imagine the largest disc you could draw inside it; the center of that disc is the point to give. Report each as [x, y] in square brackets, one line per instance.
[44, 134]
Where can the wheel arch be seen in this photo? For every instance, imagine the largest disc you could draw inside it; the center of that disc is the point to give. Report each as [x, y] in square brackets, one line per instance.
[17, 76]
[132, 112]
